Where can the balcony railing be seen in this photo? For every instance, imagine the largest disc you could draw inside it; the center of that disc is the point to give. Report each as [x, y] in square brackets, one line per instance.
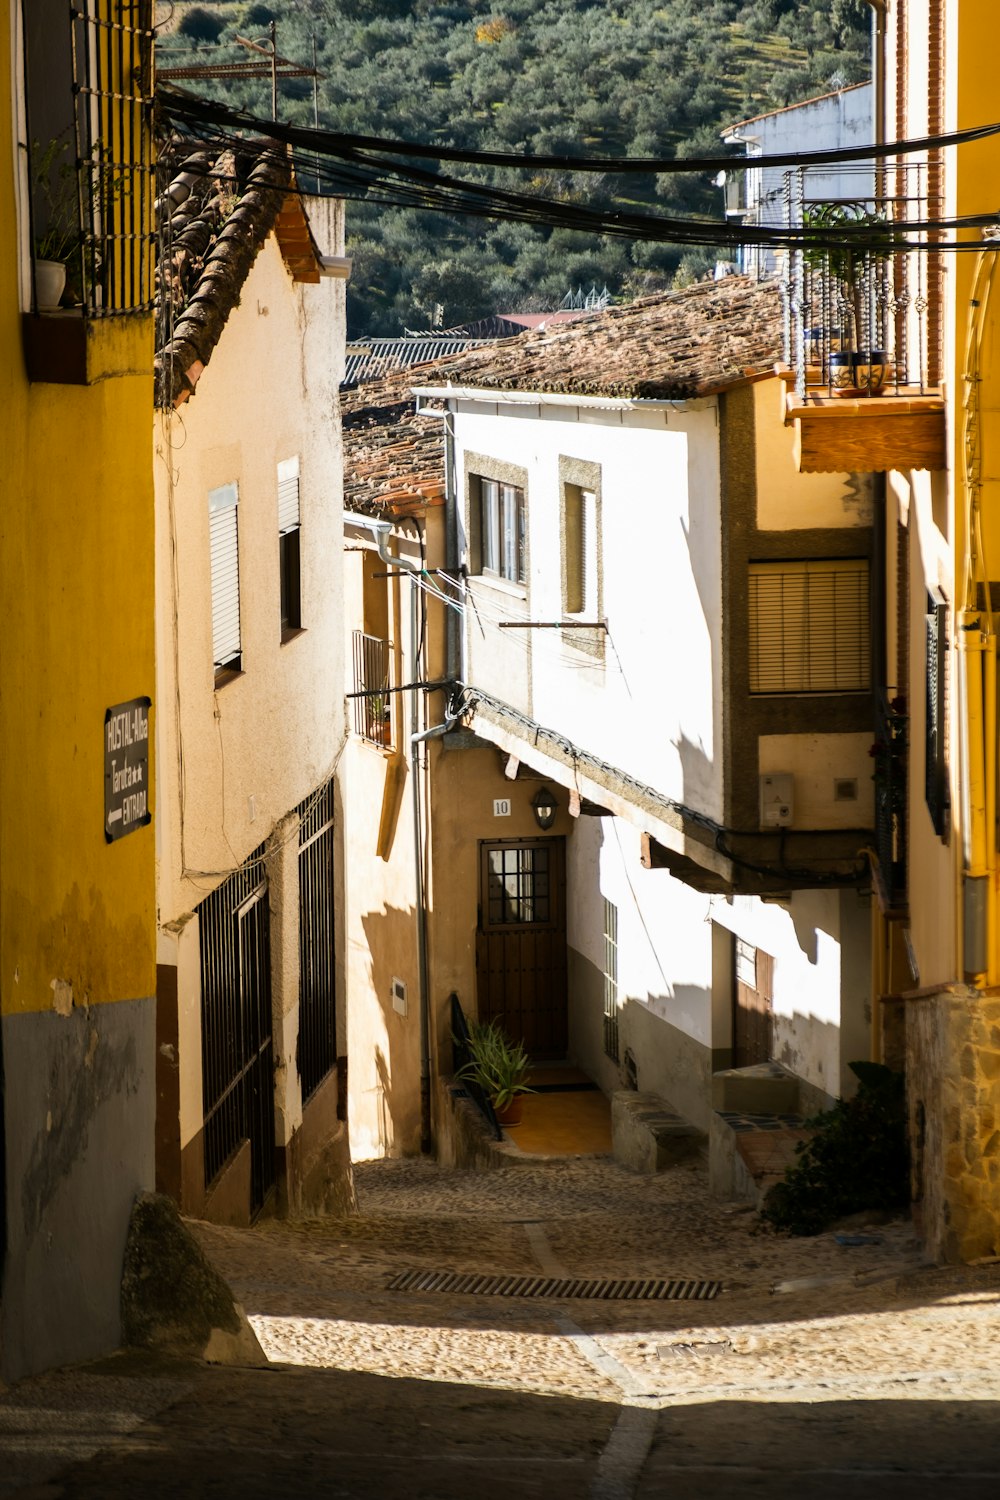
[857, 288]
[372, 699]
[889, 753]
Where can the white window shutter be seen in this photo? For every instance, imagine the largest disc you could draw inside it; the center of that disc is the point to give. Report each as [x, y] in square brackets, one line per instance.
[588, 552]
[224, 547]
[288, 495]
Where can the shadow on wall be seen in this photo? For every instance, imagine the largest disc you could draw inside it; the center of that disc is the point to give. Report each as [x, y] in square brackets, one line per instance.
[385, 1049]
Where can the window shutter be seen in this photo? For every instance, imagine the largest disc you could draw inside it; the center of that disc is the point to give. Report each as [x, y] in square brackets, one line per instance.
[288, 495]
[588, 538]
[224, 547]
[809, 627]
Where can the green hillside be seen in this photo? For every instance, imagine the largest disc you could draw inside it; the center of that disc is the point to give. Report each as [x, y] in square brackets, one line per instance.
[543, 76]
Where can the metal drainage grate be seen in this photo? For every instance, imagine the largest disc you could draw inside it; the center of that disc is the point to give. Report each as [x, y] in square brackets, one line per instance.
[655, 1289]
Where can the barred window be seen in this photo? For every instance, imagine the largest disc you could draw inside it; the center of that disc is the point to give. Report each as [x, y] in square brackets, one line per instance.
[809, 626]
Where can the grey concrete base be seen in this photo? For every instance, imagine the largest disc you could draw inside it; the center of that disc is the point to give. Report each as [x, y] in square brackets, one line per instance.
[79, 1118]
[764, 1089]
[648, 1135]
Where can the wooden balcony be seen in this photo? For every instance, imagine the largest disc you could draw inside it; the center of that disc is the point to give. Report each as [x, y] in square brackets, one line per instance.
[865, 434]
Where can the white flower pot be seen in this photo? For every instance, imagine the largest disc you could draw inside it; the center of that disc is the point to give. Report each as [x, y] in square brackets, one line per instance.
[50, 282]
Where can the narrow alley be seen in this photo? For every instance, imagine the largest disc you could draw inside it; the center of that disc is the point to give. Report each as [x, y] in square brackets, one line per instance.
[819, 1363]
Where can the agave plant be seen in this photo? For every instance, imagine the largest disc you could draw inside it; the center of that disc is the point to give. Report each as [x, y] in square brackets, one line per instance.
[497, 1064]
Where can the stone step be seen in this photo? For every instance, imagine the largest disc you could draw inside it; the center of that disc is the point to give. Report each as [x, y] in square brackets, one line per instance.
[648, 1135]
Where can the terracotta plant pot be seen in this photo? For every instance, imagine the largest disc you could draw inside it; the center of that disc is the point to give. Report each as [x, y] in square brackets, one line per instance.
[511, 1113]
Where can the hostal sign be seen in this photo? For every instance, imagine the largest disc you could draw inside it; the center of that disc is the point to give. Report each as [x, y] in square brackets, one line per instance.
[126, 768]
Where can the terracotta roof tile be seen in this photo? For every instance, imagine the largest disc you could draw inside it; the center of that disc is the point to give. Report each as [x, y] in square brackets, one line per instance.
[673, 347]
[217, 210]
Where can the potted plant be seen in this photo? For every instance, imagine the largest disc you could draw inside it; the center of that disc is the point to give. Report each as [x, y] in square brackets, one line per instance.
[56, 215]
[500, 1068]
[859, 241]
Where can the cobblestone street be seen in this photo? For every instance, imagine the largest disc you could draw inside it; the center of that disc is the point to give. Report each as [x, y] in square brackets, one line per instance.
[818, 1366]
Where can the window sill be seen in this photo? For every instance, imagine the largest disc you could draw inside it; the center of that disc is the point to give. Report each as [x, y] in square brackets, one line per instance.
[65, 347]
[291, 633]
[502, 585]
[226, 675]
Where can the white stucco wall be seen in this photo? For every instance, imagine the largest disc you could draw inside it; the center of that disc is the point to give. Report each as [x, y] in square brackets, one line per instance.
[669, 993]
[652, 707]
[844, 118]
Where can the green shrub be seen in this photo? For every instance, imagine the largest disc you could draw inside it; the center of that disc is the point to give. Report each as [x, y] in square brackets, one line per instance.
[858, 1158]
[201, 25]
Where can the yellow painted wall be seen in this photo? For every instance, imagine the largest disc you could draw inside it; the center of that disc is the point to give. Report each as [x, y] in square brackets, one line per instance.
[76, 596]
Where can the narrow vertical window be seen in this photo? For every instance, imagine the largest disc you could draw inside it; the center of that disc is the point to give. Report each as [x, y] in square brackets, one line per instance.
[223, 509]
[580, 520]
[611, 981]
[289, 532]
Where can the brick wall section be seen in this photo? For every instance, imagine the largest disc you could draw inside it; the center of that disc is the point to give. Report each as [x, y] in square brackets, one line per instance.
[953, 1098]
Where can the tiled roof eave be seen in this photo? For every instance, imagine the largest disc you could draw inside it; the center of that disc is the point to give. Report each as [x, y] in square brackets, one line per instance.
[199, 326]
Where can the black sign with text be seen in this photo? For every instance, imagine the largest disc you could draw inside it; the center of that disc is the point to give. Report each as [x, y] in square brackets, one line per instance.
[126, 768]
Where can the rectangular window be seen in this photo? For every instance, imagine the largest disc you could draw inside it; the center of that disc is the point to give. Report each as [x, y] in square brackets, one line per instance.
[611, 981]
[503, 530]
[223, 508]
[809, 627]
[289, 531]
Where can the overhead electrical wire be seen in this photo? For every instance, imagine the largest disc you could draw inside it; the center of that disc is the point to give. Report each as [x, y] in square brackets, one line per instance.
[347, 166]
[180, 105]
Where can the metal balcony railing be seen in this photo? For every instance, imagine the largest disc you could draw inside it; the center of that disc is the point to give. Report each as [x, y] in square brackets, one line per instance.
[373, 708]
[889, 753]
[858, 317]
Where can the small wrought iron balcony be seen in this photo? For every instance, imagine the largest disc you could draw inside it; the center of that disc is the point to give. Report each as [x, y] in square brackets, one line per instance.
[372, 700]
[862, 334]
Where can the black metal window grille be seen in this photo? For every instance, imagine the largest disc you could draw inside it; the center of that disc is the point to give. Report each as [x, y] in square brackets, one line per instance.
[519, 888]
[611, 1046]
[317, 980]
[936, 783]
[289, 547]
[809, 626]
[236, 1026]
[372, 679]
[89, 106]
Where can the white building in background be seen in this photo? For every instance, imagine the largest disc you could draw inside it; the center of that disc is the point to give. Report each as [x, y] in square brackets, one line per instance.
[773, 196]
[649, 636]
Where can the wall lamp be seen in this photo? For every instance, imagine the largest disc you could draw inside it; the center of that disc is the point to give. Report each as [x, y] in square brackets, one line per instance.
[544, 806]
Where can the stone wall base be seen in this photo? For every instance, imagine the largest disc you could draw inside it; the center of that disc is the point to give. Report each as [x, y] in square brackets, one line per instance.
[953, 1101]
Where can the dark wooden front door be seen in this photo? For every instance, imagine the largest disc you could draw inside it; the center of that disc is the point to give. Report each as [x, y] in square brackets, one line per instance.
[521, 941]
[753, 1005]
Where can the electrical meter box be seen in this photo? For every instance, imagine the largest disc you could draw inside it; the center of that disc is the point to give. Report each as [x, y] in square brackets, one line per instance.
[777, 800]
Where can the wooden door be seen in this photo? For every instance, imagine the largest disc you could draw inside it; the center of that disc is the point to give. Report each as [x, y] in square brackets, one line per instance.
[521, 942]
[752, 1005]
